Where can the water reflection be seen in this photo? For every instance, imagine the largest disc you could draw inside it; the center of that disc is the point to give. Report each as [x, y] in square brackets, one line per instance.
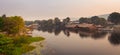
[82, 34]
[77, 42]
[99, 34]
[114, 38]
[57, 31]
[66, 32]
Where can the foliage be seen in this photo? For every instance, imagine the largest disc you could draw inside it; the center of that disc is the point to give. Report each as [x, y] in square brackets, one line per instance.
[35, 39]
[17, 45]
[11, 25]
[57, 21]
[1, 23]
[94, 20]
[14, 44]
[114, 17]
[66, 21]
[98, 21]
[29, 22]
[84, 20]
[47, 24]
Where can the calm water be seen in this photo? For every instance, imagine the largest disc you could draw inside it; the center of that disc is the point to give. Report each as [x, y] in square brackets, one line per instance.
[79, 43]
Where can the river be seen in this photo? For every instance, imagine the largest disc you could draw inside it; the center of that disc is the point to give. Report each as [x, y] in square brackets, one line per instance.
[78, 43]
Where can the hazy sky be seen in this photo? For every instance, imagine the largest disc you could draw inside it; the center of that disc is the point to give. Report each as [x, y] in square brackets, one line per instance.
[43, 9]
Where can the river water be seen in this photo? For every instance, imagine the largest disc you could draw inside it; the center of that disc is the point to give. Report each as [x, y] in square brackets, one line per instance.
[78, 43]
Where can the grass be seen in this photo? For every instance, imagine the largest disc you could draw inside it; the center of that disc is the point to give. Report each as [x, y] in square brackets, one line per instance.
[17, 45]
[35, 39]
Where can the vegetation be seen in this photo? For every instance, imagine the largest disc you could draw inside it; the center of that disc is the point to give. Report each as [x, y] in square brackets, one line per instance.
[13, 40]
[114, 18]
[93, 20]
[52, 24]
[16, 45]
[12, 25]
[29, 22]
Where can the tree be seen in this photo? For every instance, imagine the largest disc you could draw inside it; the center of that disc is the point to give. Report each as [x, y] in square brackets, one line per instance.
[66, 21]
[29, 22]
[4, 16]
[1, 23]
[95, 20]
[98, 21]
[57, 21]
[114, 17]
[83, 20]
[13, 25]
[50, 22]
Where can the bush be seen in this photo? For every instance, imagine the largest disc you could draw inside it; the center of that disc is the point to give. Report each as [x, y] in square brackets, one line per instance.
[17, 45]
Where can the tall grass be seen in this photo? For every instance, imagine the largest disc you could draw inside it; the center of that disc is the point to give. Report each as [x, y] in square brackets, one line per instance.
[17, 45]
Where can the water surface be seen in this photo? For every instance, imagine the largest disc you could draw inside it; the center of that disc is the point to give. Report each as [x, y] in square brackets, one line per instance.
[79, 43]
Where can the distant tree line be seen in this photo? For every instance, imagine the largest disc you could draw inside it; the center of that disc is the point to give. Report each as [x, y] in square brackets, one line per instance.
[113, 18]
[93, 20]
[57, 23]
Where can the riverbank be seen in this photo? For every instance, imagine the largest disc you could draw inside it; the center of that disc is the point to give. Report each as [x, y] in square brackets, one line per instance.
[17, 45]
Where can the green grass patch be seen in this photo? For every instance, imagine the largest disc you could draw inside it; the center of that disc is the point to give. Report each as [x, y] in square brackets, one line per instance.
[17, 45]
[35, 39]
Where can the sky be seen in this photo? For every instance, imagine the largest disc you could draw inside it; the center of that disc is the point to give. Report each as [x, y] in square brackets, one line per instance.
[48, 9]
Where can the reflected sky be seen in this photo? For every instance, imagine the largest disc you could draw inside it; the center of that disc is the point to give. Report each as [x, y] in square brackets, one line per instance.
[77, 45]
[44, 9]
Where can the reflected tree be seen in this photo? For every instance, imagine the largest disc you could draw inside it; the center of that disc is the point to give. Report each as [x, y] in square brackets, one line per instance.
[114, 38]
[83, 35]
[57, 31]
[50, 31]
[98, 35]
[66, 32]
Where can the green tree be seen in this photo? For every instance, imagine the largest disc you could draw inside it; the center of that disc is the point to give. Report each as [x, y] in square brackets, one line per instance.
[94, 20]
[57, 21]
[2, 20]
[1, 23]
[13, 25]
[98, 21]
[50, 22]
[83, 20]
[66, 21]
[29, 22]
[114, 17]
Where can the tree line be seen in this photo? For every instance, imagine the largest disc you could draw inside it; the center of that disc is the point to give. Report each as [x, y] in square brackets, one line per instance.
[94, 20]
[50, 23]
[57, 23]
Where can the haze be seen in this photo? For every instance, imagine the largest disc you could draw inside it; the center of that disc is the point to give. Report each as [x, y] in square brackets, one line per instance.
[46, 9]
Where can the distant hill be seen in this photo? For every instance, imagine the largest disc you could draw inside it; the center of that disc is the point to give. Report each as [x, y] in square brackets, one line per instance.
[104, 16]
